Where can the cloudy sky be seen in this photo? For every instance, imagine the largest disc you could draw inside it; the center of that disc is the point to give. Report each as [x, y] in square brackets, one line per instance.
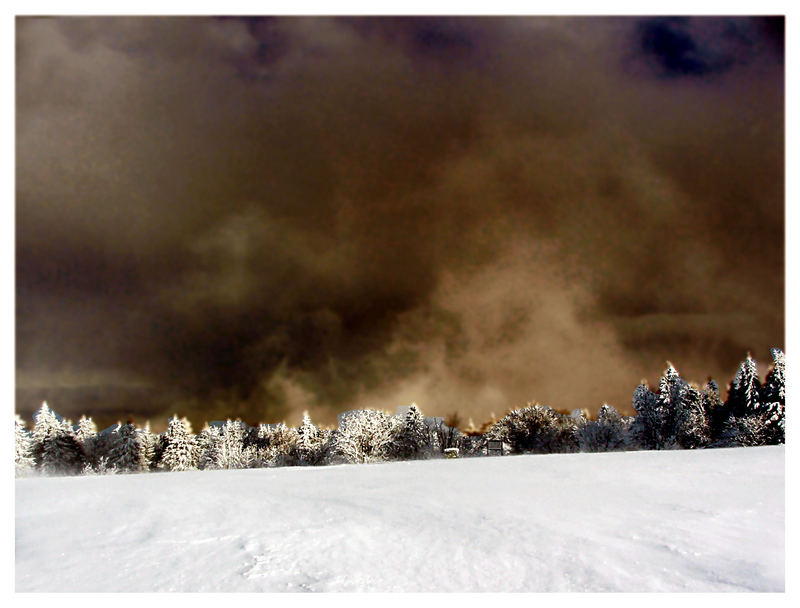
[255, 217]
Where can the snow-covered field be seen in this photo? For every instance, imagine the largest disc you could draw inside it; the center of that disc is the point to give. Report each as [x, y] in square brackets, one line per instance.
[708, 520]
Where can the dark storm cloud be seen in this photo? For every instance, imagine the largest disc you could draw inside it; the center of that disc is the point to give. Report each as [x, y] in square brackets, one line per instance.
[676, 52]
[697, 46]
[252, 217]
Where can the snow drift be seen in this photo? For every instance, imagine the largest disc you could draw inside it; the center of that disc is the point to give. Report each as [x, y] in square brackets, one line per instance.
[693, 520]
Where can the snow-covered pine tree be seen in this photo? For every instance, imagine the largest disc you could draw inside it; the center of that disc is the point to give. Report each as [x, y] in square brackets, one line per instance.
[23, 448]
[86, 435]
[147, 447]
[363, 436]
[774, 389]
[743, 397]
[86, 429]
[663, 418]
[410, 439]
[230, 453]
[125, 456]
[673, 393]
[645, 429]
[208, 447]
[745, 424]
[179, 448]
[773, 399]
[45, 426]
[310, 445]
[55, 449]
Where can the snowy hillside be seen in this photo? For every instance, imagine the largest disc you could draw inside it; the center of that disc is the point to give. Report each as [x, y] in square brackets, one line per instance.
[707, 520]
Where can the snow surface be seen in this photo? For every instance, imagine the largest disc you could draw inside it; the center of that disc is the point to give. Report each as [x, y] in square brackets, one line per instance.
[708, 520]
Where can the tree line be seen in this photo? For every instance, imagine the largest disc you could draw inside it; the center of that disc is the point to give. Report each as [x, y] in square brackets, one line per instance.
[678, 415]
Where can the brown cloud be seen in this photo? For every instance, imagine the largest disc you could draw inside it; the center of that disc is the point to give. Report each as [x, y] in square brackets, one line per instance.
[255, 217]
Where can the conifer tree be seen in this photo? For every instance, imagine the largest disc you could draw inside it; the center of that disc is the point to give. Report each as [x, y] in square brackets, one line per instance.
[674, 417]
[230, 452]
[750, 422]
[86, 429]
[673, 393]
[56, 450]
[773, 399]
[208, 447]
[646, 426]
[45, 425]
[147, 447]
[125, 455]
[774, 389]
[743, 396]
[310, 443]
[23, 448]
[411, 436]
[179, 448]
[86, 436]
